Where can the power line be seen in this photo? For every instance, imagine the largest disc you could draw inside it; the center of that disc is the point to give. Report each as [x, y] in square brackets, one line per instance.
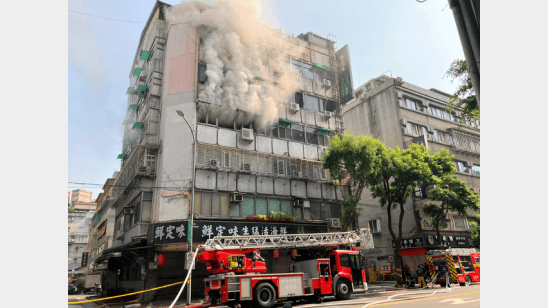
[101, 185]
[137, 22]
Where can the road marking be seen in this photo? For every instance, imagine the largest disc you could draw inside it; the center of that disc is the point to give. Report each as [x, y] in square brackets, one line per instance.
[458, 301]
[419, 300]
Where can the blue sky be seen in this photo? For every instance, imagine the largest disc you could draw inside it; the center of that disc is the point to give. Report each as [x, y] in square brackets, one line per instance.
[417, 41]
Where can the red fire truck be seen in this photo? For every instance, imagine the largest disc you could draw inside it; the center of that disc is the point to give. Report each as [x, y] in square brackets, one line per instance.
[461, 268]
[315, 270]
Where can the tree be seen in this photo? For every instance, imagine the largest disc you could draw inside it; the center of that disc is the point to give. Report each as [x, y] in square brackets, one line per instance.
[464, 98]
[400, 172]
[390, 175]
[353, 163]
[452, 195]
[475, 232]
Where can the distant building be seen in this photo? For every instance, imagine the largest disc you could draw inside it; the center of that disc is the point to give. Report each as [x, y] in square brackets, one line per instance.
[78, 231]
[80, 195]
[399, 113]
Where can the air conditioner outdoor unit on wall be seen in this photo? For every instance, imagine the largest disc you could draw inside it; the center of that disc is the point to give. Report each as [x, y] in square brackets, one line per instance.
[128, 211]
[213, 164]
[328, 114]
[142, 169]
[326, 83]
[335, 222]
[236, 198]
[247, 135]
[294, 108]
[247, 167]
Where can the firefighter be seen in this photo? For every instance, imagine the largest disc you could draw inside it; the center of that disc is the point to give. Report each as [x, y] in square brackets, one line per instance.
[377, 274]
[372, 276]
[420, 275]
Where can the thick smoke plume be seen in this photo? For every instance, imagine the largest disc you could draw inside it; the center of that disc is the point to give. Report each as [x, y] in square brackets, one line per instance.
[244, 58]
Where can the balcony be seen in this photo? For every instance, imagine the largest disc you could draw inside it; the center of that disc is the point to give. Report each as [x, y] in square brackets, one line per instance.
[465, 142]
[140, 162]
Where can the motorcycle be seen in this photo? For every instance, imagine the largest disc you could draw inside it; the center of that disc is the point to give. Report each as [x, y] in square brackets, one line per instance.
[98, 289]
[72, 289]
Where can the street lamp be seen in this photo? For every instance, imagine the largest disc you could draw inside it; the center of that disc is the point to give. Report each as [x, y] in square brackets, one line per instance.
[182, 115]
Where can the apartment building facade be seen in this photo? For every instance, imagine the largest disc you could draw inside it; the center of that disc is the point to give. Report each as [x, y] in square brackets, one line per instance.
[399, 113]
[78, 234]
[244, 168]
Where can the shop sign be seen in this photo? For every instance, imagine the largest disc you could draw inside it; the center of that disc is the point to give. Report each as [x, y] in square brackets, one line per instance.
[84, 259]
[346, 87]
[411, 243]
[390, 258]
[176, 232]
[448, 240]
[101, 266]
[386, 268]
[152, 265]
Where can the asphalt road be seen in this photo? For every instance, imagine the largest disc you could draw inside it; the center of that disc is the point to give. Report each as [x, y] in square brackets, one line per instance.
[462, 297]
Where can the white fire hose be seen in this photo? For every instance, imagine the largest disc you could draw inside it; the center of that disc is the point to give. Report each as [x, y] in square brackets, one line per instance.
[186, 279]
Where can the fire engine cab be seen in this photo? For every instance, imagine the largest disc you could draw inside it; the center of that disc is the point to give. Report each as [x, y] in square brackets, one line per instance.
[315, 270]
[461, 268]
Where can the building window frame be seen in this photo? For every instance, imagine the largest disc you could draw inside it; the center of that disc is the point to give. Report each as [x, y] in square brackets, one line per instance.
[454, 224]
[413, 104]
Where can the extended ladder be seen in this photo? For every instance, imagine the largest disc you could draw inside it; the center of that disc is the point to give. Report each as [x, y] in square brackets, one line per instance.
[287, 241]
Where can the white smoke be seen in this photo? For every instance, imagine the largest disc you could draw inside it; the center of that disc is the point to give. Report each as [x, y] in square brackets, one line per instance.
[237, 48]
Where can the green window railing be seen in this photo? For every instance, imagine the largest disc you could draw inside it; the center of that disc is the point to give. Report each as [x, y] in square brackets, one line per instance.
[121, 156]
[137, 72]
[129, 90]
[142, 88]
[132, 107]
[138, 125]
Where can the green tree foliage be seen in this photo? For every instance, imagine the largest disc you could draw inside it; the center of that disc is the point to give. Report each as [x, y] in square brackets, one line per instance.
[475, 232]
[390, 175]
[452, 195]
[353, 162]
[464, 98]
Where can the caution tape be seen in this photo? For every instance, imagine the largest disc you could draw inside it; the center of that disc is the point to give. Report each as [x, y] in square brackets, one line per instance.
[123, 295]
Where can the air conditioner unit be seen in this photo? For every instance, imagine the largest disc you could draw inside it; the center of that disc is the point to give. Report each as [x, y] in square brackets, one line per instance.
[213, 164]
[306, 203]
[247, 135]
[236, 198]
[328, 114]
[298, 202]
[128, 211]
[361, 96]
[247, 167]
[335, 222]
[326, 83]
[142, 169]
[294, 108]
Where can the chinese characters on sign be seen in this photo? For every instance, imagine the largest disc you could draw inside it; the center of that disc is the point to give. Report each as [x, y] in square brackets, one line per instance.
[176, 232]
[345, 75]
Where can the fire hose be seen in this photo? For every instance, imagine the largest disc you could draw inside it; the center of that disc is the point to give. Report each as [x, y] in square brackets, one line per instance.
[186, 279]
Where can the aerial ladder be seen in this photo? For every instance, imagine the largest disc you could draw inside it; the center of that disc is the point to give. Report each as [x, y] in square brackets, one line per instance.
[238, 278]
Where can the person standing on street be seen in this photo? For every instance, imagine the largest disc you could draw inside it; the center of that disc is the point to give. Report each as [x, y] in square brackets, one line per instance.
[420, 275]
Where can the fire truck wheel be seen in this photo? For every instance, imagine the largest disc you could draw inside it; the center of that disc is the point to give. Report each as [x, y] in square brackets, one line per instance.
[468, 280]
[343, 289]
[265, 295]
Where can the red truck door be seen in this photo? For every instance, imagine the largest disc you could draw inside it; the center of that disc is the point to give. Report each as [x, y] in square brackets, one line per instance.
[326, 281]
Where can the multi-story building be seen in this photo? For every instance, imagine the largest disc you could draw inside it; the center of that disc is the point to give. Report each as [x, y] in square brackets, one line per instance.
[257, 153]
[399, 113]
[78, 231]
[80, 195]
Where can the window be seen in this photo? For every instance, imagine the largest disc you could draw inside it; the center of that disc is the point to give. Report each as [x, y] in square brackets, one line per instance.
[441, 113]
[208, 204]
[415, 130]
[311, 102]
[441, 136]
[312, 135]
[202, 77]
[307, 71]
[375, 225]
[459, 222]
[296, 66]
[477, 260]
[460, 166]
[344, 260]
[412, 104]
[326, 211]
[467, 265]
[298, 133]
[476, 170]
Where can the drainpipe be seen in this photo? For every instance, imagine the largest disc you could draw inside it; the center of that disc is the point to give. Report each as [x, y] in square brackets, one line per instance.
[471, 61]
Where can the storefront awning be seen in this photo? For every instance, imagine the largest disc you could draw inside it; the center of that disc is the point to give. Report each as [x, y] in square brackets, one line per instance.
[413, 251]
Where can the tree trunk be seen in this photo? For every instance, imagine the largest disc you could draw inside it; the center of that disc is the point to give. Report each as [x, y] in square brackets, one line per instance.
[398, 264]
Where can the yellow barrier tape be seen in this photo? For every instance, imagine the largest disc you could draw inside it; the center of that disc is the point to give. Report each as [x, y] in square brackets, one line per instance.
[123, 295]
